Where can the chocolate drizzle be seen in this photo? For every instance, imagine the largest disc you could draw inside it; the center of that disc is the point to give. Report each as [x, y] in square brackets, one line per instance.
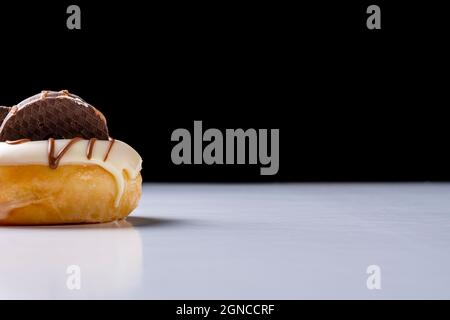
[53, 161]
[44, 94]
[20, 141]
[111, 143]
[90, 148]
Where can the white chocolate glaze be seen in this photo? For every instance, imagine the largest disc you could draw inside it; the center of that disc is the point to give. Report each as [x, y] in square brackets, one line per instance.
[121, 158]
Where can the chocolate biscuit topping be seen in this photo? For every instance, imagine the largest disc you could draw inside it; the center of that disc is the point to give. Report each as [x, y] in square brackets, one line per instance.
[51, 114]
[3, 112]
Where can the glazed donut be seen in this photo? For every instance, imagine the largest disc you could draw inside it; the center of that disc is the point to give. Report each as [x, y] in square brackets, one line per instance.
[61, 181]
[79, 190]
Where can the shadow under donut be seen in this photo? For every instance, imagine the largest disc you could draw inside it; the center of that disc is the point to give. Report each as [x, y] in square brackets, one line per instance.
[129, 222]
[142, 222]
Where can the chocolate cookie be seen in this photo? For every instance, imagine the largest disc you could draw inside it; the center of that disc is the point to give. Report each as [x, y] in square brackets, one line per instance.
[50, 114]
[3, 112]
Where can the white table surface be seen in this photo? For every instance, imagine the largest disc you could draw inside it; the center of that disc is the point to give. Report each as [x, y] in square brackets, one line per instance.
[245, 241]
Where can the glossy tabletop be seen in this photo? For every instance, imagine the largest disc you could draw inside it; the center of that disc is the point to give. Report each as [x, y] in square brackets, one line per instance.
[243, 241]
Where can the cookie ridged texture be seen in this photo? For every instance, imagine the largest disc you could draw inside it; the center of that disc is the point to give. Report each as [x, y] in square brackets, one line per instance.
[53, 116]
[3, 112]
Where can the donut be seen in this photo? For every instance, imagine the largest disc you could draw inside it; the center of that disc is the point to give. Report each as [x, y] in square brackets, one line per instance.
[76, 175]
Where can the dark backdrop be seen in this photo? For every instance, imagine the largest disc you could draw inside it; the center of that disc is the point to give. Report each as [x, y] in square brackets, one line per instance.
[351, 104]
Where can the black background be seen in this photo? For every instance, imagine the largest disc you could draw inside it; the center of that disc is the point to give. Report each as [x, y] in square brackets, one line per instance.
[351, 104]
